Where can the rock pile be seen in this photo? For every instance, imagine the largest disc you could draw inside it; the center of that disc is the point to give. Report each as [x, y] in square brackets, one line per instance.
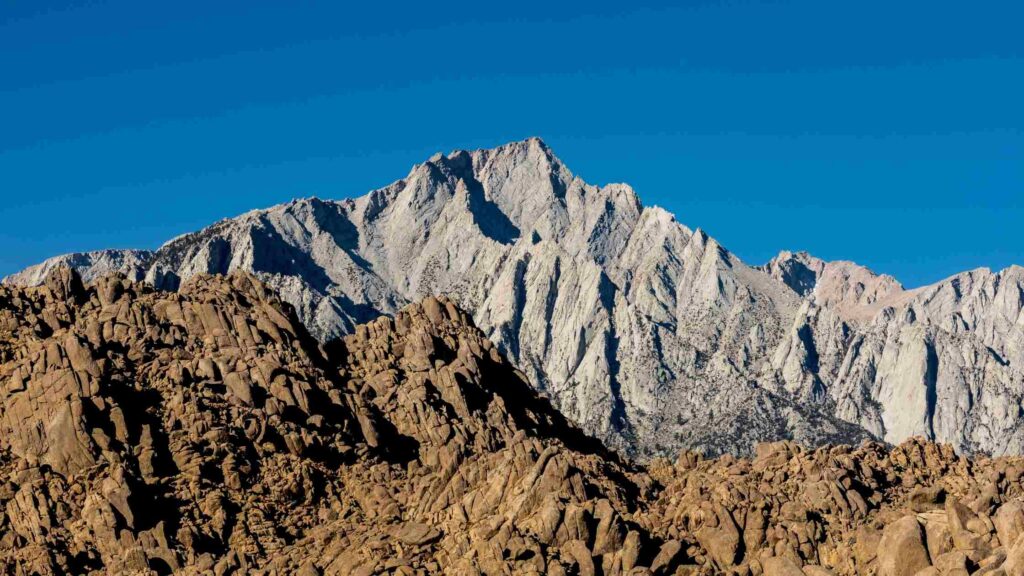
[916, 508]
[205, 432]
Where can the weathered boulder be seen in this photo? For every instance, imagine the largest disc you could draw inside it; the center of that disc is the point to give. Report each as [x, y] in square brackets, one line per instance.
[781, 566]
[902, 551]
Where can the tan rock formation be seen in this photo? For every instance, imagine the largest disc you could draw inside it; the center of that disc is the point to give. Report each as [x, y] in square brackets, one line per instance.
[205, 432]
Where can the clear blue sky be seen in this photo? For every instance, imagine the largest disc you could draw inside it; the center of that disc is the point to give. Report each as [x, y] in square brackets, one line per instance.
[889, 133]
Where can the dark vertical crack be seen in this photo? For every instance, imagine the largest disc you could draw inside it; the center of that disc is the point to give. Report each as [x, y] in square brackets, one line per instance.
[931, 385]
[549, 305]
[512, 335]
[619, 419]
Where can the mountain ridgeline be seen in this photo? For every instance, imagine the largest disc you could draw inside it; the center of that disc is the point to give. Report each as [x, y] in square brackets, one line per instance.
[648, 334]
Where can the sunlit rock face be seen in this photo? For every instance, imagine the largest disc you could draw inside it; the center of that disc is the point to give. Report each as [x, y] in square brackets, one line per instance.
[650, 335]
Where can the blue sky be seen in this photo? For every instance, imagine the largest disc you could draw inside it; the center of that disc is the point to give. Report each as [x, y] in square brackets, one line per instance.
[889, 133]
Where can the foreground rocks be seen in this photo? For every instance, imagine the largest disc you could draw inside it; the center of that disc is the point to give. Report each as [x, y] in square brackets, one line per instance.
[205, 432]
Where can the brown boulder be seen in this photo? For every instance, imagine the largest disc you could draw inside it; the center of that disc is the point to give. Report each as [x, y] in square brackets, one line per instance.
[722, 542]
[1009, 522]
[1014, 563]
[780, 566]
[902, 551]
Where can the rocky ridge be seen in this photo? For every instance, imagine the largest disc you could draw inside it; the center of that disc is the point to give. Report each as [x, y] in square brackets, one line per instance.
[205, 431]
[650, 335]
[942, 361]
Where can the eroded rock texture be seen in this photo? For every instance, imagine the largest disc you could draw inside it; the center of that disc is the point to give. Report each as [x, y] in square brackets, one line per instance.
[633, 323]
[205, 432]
[917, 508]
[649, 334]
[942, 361]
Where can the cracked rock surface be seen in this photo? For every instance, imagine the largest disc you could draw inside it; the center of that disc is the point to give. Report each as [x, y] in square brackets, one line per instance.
[204, 431]
[650, 335]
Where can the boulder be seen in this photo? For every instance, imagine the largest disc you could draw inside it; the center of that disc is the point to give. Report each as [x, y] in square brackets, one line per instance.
[902, 551]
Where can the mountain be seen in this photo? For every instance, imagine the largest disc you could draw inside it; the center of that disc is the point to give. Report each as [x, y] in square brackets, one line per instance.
[205, 431]
[90, 266]
[650, 335]
[942, 361]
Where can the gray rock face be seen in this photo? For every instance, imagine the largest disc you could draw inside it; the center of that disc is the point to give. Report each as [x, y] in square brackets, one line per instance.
[943, 361]
[91, 266]
[650, 335]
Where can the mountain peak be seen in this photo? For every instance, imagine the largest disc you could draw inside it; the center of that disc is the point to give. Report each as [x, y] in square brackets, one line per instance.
[798, 270]
[644, 333]
[830, 281]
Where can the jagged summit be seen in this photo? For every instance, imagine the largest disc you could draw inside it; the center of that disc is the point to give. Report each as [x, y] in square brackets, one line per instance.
[798, 270]
[649, 334]
[838, 282]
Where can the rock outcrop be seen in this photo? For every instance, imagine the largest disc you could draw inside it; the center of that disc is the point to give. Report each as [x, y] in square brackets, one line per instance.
[917, 508]
[205, 431]
[942, 361]
[650, 335]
